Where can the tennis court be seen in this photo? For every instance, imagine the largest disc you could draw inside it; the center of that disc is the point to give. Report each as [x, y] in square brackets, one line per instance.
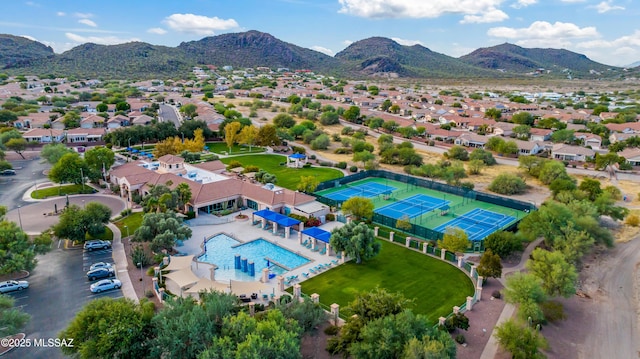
[369, 190]
[478, 223]
[413, 206]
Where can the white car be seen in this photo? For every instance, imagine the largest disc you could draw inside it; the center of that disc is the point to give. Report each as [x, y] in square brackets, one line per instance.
[100, 265]
[11, 285]
[105, 284]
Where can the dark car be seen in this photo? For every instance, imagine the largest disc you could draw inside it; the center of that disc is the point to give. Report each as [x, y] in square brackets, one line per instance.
[100, 273]
[8, 173]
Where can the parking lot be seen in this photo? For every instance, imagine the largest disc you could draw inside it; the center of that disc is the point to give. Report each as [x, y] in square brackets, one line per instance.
[58, 289]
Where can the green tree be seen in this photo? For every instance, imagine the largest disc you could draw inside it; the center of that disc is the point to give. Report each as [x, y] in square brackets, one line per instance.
[69, 169]
[591, 187]
[523, 118]
[231, 133]
[552, 170]
[490, 265]
[454, 240]
[162, 230]
[248, 136]
[457, 153]
[98, 159]
[485, 156]
[403, 223]
[503, 243]
[308, 184]
[358, 207]
[12, 319]
[522, 342]
[494, 143]
[363, 156]
[123, 106]
[558, 276]
[270, 336]
[321, 142]
[17, 251]
[17, 145]
[75, 223]
[508, 148]
[493, 113]
[71, 120]
[563, 136]
[7, 116]
[522, 131]
[475, 167]
[307, 313]
[329, 118]
[184, 328]
[438, 345]
[267, 136]
[531, 164]
[356, 240]
[352, 114]
[507, 183]
[110, 328]
[54, 151]
[189, 110]
[525, 290]
[102, 107]
[283, 120]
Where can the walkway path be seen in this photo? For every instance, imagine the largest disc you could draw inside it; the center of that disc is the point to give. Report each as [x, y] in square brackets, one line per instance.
[120, 260]
[491, 348]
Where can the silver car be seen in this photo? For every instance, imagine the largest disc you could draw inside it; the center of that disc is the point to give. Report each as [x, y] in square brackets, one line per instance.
[100, 265]
[105, 284]
[11, 285]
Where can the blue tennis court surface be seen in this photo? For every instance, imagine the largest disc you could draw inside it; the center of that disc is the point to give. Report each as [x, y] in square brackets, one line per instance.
[369, 189]
[413, 206]
[478, 223]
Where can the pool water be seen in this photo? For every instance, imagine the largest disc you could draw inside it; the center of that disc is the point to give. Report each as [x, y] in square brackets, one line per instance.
[221, 250]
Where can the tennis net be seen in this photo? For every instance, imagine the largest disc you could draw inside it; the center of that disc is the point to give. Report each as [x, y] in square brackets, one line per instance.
[363, 190]
[480, 223]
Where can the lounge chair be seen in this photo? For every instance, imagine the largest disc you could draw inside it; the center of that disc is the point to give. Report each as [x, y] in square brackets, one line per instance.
[312, 270]
[305, 274]
[265, 296]
[323, 251]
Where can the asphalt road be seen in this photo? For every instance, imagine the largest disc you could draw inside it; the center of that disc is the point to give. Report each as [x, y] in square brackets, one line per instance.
[28, 172]
[168, 113]
[58, 289]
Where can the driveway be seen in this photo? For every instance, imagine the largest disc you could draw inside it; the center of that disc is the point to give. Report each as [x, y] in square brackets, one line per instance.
[169, 114]
[28, 173]
[33, 218]
[58, 289]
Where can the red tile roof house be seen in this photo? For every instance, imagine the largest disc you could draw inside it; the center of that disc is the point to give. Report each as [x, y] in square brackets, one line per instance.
[632, 155]
[564, 152]
[540, 134]
[468, 139]
[41, 135]
[589, 139]
[211, 190]
[629, 127]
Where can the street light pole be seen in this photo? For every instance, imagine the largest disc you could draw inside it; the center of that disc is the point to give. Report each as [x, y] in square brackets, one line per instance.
[127, 228]
[82, 179]
[141, 277]
[20, 218]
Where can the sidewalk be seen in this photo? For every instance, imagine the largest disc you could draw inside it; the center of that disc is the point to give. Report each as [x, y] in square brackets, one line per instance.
[120, 260]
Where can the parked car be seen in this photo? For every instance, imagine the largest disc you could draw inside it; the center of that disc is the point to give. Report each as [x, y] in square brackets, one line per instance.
[100, 265]
[8, 173]
[100, 273]
[11, 285]
[105, 284]
[98, 244]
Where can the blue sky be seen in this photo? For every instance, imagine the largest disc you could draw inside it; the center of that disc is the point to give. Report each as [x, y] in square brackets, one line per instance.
[606, 31]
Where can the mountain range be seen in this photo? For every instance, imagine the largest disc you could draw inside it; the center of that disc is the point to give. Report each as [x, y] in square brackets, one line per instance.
[375, 56]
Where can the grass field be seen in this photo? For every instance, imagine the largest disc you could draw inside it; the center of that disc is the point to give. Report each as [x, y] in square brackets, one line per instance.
[61, 191]
[435, 286]
[287, 177]
[132, 221]
[222, 148]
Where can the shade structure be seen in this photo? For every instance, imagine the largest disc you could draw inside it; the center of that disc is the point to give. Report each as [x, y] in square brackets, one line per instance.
[177, 263]
[242, 287]
[278, 218]
[318, 233]
[183, 277]
[205, 284]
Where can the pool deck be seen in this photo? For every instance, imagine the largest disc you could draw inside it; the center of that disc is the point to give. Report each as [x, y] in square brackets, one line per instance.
[244, 231]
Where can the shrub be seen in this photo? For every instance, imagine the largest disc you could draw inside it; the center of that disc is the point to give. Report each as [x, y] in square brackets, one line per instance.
[125, 212]
[325, 164]
[343, 151]
[507, 183]
[332, 330]
[353, 169]
[191, 214]
[496, 294]
[460, 339]
[312, 157]
[151, 272]
[330, 217]
[467, 185]
[432, 143]
[632, 220]
[341, 165]
[138, 255]
[312, 222]
[234, 164]
[251, 168]
[553, 311]
[306, 165]
[157, 258]
[286, 298]
[149, 294]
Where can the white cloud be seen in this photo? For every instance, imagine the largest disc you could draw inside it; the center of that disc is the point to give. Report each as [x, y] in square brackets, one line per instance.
[418, 9]
[324, 50]
[572, 1]
[198, 24]
[88, 22]
[487, 17]
[347, 42]
[102, 40]
[406, 42]
[606, 6]
[83, 15]
[29, 37]
[32, 4]
[542, 33]
[157, 31]
[61, 13]
[523, 3]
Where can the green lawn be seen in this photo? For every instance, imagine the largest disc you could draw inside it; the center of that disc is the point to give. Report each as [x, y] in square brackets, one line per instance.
[221, 147]
[287, 177]
[106, 236]
[132, 221]
[61, 191]
[434, 286]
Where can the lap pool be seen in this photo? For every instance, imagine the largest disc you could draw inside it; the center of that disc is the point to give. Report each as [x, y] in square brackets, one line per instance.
[222, 249]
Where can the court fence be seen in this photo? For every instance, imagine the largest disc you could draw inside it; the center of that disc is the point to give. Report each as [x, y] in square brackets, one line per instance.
[421, 182]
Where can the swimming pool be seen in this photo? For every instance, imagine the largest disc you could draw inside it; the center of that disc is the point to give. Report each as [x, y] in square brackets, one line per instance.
[222, 249]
